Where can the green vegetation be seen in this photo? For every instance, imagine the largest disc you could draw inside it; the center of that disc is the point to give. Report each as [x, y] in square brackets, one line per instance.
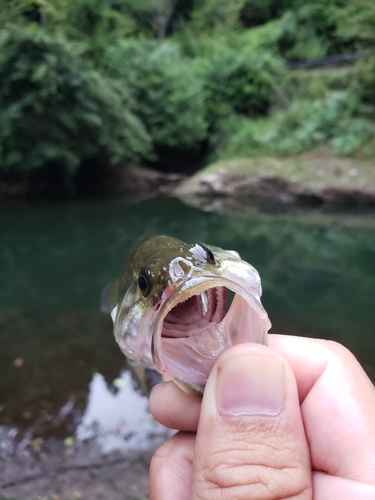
[338, 118]
[117, 81]
[166, 86]
[56, 108]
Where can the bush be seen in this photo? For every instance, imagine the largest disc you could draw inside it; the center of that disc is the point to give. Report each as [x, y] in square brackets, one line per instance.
[302, 30]
[55, 108]
[338, 119]
[241, 75]
[357, 22]
[240, 80]
[366, 79]
[167, 88]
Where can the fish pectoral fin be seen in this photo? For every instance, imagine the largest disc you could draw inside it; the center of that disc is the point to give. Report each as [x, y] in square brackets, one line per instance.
[109, 297]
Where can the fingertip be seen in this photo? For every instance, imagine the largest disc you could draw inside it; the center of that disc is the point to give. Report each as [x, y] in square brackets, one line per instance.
[251, 376]
[173, 408]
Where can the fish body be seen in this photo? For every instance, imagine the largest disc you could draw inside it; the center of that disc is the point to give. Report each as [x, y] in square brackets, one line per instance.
[169, 308]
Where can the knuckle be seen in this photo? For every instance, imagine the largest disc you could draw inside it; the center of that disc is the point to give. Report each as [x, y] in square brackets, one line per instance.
[262, 471]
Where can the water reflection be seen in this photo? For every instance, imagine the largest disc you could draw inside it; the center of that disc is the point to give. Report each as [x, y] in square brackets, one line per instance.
[118, 419]
[59, 351]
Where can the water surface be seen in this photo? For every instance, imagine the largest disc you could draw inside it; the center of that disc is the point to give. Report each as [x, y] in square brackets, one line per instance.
[61, 372]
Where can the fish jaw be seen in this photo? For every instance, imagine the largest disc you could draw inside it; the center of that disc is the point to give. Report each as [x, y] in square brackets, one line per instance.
[188, 359]
[133, 332]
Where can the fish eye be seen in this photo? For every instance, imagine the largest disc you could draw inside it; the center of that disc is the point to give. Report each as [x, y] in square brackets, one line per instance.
[210, 255]
[143, 284]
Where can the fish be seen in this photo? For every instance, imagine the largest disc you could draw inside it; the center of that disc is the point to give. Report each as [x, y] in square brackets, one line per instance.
[170, 308]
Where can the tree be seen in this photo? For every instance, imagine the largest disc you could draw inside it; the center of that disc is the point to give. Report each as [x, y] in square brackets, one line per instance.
[56, 108]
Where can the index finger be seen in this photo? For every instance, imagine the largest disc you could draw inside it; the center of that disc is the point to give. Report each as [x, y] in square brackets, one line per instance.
[337, 406]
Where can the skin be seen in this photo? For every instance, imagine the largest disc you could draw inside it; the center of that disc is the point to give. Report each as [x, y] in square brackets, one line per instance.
[316, 442]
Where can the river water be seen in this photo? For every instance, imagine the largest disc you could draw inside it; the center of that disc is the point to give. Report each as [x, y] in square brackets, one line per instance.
[61, 372]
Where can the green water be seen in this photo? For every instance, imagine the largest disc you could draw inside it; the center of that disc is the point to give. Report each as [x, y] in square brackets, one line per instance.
[318, 275]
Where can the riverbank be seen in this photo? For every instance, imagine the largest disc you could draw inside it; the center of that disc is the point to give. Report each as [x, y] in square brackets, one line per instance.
[51, 470]
[74, 423]
[313, 179]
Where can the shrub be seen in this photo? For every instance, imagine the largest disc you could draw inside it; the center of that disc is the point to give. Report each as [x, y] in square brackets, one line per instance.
[55, 108]
[240, 80]
[366, 79]
[167, 89]
[357, 22]
[301, 30]
[338, 119]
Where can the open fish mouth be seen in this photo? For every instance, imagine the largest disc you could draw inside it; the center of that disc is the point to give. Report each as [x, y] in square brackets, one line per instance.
[194, 326]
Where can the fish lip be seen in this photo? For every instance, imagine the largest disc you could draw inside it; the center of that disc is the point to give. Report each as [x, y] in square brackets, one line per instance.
[194, 286]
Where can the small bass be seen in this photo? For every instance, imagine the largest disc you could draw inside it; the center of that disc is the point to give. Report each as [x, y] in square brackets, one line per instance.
[169, 308]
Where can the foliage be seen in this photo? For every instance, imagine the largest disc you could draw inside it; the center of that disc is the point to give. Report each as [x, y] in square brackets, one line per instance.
[239, 77]
[45, 13]
[357, 21]
[56, 108]
[305, 31]
[167, 88]
[14, 11]
[210, 14]
[158, 14]
[339, 119]
[296, 29]
[96, 23]
[308, 31]
[241, 81]
[366, 79]
[258, 12]
[85, 78]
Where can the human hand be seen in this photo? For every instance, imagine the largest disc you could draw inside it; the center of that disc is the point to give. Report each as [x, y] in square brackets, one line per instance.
[293, 421]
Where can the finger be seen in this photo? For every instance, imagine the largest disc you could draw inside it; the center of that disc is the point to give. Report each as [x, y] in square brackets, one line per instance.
[171, 468]
[250, 440]
[337, 488]
[174, 408]
[337, 406]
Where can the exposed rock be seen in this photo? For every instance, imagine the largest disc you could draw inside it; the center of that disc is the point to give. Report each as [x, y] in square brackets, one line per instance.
[306, 180]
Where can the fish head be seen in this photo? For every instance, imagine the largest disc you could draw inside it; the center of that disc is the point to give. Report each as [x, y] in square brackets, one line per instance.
[172, 309]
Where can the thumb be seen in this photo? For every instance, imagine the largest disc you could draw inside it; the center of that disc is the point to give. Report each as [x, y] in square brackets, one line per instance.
[250, 440]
